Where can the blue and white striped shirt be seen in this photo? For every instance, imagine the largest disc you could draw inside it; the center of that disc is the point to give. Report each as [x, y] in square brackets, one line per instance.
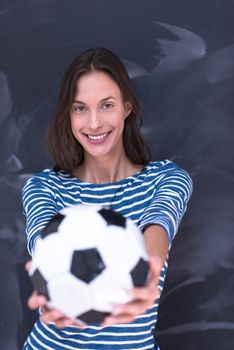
[156, 195]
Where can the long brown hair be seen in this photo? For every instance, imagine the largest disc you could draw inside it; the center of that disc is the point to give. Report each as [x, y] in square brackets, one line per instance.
[66, 151]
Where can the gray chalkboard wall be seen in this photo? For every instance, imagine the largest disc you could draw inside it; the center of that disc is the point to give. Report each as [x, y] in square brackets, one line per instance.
[180, 55]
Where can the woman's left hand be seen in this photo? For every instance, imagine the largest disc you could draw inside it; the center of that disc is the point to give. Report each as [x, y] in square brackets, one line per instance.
[143, 297]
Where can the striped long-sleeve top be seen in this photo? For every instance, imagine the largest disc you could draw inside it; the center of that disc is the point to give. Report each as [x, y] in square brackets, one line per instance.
[156, 195]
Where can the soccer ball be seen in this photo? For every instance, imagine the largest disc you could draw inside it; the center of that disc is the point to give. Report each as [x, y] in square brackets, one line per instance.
[86, 259]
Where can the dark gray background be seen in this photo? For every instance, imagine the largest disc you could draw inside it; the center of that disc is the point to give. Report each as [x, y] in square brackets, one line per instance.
[180, 55]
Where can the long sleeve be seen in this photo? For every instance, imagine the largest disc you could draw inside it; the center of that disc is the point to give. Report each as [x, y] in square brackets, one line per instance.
[169, 203]
[39, 206]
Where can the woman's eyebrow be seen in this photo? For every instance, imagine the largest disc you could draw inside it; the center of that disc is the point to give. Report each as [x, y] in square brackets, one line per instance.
[103, 100]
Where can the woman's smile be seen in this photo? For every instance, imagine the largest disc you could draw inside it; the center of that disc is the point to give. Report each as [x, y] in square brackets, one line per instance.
[98, 138]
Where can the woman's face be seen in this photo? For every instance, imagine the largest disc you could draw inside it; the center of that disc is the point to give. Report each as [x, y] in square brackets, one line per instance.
[98, 114]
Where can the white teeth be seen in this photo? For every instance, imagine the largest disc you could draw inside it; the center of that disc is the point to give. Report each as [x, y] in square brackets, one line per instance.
[97, 137]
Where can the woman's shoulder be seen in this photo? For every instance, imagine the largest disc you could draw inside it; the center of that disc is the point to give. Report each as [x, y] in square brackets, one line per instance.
[162, 166]
[168, 168]
[50, 175]
[171, 176]
[43, 175]
[47, 178]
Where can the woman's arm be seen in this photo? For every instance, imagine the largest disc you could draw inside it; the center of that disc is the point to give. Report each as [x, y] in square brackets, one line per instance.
[159, 224]
[172, 193]
[156, 240]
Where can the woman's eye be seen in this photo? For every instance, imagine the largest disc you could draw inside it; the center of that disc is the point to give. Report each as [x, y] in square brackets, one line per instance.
[107, 106]
[79, 108]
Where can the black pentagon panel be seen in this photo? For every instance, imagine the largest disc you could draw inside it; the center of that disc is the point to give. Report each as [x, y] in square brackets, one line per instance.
[52, 225]
[139, 273]
[39, 284]
[87, 264]
[112, 217]
[93, 316]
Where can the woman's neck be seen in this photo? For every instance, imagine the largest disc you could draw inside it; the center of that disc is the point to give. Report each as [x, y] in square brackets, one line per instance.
[106, 170]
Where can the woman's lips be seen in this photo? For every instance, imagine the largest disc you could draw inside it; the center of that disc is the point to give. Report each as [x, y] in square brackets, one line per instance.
[98, 139]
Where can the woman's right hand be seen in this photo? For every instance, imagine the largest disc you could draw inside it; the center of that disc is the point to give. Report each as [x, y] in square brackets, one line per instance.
[47, 314]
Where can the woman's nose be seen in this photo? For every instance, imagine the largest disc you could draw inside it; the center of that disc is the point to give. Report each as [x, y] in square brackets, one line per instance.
[95, 121]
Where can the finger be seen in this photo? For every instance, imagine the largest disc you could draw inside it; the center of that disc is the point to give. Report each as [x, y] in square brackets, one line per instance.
[128, 312]
[45, 309]
[36, 300]
[64, 322]
[61, 321]
[28, 265]
[123, 318]
[51, 316]
[149, 293]
[67, 322]
[133, 308]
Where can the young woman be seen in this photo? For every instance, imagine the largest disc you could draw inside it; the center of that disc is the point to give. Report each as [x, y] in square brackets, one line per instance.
[100, 158]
